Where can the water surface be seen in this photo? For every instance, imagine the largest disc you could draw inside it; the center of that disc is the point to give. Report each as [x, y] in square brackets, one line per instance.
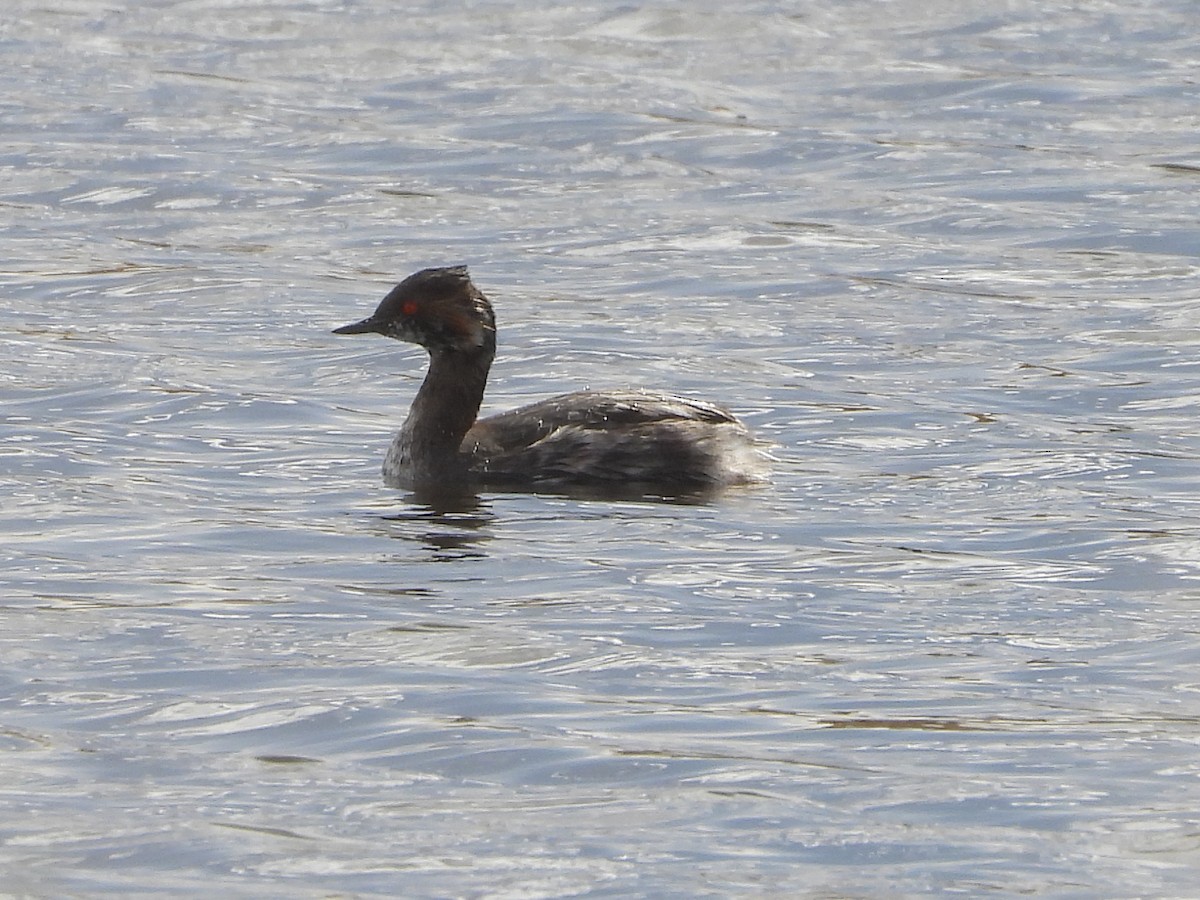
[944, 256]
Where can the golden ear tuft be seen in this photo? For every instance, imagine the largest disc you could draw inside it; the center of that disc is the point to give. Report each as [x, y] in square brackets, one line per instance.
[464, 327]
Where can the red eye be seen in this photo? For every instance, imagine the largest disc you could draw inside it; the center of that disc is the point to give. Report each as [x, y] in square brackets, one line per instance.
[409, 308]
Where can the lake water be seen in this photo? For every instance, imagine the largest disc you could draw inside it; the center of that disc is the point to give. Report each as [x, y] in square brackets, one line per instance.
[943, 255]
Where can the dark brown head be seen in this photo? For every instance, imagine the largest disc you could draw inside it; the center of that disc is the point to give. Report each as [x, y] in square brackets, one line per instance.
[440, 309]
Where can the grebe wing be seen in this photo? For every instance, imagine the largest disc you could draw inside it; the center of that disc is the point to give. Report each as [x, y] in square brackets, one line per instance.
[601, 410]
[605, 435]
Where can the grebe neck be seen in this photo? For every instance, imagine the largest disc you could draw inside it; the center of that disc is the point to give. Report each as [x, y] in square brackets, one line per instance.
[443, 411]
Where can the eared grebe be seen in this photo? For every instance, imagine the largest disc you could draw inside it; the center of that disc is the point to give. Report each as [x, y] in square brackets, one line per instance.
[620, 437]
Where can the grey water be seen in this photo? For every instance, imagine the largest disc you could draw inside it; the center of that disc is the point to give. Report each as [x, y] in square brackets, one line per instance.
[943, 256]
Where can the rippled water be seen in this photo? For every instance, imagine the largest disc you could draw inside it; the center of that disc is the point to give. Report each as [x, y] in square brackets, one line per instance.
[943, 255]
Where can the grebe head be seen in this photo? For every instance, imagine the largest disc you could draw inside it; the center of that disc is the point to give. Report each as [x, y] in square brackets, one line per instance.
[440, 309]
